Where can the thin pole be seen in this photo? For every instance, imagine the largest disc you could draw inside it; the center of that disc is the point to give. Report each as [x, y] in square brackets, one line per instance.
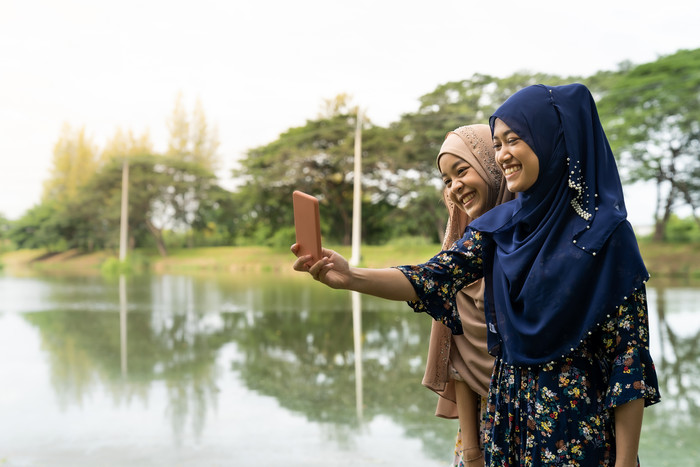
[124, 223]
[357, 194]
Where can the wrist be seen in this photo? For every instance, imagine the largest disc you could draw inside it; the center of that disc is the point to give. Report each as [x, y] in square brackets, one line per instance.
[355, 279]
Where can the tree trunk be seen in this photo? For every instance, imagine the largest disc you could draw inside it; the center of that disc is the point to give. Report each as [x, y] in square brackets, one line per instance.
[670, 175]
[661, 222]
[347, 222]
[158, 235]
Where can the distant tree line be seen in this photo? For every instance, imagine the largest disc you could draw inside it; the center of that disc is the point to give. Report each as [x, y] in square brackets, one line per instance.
[651, 113]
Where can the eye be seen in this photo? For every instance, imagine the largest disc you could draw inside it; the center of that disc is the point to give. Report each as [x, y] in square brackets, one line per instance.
[446, 181]
[513, 140]
[496, 146]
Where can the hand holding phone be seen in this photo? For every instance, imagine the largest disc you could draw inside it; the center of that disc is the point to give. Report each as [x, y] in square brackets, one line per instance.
[307, 224]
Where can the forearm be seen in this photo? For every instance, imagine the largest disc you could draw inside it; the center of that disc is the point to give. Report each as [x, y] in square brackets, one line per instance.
[628, 427]
[388, 283]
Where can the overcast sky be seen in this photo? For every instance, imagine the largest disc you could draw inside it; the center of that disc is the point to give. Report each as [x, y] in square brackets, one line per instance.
[260, 68]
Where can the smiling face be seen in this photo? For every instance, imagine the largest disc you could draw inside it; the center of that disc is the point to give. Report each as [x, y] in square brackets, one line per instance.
[515, 157]
[465, 186]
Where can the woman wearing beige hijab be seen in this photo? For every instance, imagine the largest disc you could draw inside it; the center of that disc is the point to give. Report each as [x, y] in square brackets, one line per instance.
[459, 366]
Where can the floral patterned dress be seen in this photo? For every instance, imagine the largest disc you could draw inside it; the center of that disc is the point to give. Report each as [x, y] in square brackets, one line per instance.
[561, 413]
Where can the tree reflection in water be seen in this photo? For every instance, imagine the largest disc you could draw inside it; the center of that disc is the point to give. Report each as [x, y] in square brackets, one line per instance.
[177, 347]
[670, 427]
[294, 342]
[306, 361]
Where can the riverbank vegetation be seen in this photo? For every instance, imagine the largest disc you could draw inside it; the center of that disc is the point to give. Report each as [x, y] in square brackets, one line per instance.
[663, 260]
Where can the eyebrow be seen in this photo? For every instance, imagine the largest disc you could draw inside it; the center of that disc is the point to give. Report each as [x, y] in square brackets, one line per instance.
[460, 161]
[505, 133]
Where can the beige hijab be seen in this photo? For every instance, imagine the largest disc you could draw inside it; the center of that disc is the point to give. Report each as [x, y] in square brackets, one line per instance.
[464, 354]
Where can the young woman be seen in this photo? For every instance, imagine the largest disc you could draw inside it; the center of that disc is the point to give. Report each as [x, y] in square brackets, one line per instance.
[459, 366]
[565, 297]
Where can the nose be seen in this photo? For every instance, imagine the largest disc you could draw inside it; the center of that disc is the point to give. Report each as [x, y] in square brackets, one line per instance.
[502, 156]
[457, 186]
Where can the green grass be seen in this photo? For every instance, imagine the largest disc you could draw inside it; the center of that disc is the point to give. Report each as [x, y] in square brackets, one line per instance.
[672, 259]
[676, 260]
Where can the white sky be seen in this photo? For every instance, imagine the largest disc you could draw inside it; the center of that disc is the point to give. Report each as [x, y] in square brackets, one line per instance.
[260, 68]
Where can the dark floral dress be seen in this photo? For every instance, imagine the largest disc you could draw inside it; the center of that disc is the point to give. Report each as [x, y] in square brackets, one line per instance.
[560, 413]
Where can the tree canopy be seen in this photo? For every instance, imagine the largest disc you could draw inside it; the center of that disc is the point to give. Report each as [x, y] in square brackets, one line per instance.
[650, 111]
[652, 118]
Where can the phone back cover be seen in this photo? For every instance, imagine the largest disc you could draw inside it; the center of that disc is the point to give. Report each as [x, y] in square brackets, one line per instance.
[307, 223]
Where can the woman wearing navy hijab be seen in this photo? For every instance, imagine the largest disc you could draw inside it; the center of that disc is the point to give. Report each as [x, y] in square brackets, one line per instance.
[565, 296]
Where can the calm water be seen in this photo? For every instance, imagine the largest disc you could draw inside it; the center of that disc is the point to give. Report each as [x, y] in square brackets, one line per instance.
[237, 371]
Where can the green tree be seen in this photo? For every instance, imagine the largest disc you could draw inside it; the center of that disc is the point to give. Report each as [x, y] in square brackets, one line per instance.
[398, 163]
[651, 114]
[165, 193]
[5, 228]
[316, 158]
[42, 226]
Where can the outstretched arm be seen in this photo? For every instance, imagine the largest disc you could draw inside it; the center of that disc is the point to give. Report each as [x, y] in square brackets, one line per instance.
[334, 271]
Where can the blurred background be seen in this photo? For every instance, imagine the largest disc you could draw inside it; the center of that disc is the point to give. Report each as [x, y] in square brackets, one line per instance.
[193, 344]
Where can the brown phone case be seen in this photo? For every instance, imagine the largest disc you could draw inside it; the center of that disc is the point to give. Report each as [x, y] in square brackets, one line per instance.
[307, 223]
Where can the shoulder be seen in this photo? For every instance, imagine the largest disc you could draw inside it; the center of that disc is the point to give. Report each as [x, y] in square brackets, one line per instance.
[497, 217]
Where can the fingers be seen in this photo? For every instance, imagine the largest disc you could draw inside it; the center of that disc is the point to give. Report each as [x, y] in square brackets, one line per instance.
[317, 269]
[322, 275]
[302, 262]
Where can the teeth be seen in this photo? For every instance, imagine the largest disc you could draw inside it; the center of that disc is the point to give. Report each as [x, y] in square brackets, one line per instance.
[468, 198]
[512, 169]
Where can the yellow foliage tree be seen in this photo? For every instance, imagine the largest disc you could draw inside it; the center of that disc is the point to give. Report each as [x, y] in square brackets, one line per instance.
[74, 162]
[192, 138]
[126, 144]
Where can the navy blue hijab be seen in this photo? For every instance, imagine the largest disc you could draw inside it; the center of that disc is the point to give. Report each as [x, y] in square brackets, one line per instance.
[563, 255]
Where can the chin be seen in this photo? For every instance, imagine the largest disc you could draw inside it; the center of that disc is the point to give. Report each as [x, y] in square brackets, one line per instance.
[474, 213]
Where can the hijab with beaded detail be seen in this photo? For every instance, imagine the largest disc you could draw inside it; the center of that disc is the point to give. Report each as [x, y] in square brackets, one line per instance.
[564, 256]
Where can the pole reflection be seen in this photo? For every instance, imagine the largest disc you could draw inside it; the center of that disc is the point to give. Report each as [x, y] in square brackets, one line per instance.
[123, 306]
[357, 340]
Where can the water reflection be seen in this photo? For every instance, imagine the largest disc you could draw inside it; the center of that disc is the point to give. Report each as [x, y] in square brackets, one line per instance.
[191, 351]
[123, 306]
[671, 428]
[357, 342]
[179, 348]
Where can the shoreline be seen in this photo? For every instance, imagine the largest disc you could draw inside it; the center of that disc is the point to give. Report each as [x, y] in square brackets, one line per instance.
[667, 260]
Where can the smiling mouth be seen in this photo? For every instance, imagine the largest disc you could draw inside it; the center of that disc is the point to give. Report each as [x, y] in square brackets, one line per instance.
[512, 169]
[468, 197]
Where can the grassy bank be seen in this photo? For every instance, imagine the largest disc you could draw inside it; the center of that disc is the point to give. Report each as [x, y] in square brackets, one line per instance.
[662, 260]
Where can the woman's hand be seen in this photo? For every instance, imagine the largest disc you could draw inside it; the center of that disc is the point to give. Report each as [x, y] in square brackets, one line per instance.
[332, 270]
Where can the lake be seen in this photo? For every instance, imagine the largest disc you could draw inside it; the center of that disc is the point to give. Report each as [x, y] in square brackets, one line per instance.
[259, 370]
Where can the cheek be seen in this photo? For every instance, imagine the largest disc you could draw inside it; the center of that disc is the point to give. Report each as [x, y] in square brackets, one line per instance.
[481, 187]
[453, 199]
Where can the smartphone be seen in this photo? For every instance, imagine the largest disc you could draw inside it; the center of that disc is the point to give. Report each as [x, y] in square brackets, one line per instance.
[307, 223]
